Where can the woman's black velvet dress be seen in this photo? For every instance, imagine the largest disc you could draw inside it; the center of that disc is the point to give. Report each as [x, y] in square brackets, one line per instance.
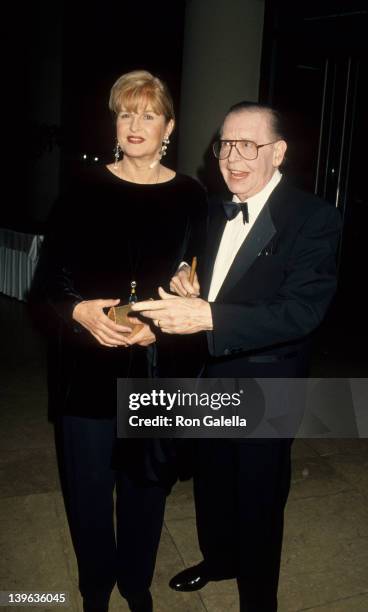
[104, 233]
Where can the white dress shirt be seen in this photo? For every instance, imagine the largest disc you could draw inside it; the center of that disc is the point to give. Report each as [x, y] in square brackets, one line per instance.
[235, 233]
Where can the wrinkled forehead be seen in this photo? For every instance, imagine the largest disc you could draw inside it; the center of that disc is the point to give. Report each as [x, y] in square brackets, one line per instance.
[248, 125]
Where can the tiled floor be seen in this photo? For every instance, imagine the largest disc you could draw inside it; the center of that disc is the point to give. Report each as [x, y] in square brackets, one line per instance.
[325, 555]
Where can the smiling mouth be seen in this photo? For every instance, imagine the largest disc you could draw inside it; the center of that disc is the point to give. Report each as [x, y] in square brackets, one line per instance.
[135, 139]
[236, 174]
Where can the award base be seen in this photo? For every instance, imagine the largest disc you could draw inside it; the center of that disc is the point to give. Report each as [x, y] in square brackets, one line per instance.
[119, 314]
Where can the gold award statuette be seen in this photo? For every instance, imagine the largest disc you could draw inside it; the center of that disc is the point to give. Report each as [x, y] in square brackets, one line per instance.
[119, 314]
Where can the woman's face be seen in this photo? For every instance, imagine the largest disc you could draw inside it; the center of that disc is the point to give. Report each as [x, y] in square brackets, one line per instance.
[140, 134]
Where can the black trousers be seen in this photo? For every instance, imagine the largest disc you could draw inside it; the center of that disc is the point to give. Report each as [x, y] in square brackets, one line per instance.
[127, 557]
[241, 487]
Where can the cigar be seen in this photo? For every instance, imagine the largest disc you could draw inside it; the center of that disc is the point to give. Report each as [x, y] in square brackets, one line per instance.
[193, 270]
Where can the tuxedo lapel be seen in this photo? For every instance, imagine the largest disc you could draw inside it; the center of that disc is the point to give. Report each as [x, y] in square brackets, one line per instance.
[259, 236]
[215, 231]
[271, 219]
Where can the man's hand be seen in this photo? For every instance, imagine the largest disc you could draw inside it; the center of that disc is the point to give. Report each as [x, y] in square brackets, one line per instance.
[180, 284]
[177, 315]
[90, 314]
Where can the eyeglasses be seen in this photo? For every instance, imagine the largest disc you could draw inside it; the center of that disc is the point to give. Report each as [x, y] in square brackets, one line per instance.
[246, 148]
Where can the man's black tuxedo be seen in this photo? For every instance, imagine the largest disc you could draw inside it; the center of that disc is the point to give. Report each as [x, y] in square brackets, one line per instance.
[274, 296]
[281, 282]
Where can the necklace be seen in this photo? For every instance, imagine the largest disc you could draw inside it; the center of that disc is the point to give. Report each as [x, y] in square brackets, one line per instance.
[133, 296]
[133, 283]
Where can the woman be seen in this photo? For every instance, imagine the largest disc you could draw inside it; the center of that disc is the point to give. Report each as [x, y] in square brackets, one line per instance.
[121, 230]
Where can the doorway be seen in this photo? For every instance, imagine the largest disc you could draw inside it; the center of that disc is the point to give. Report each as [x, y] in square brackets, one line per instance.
[314, 68]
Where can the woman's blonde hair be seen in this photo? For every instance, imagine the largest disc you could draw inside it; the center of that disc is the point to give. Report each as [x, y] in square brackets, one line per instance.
[140, 88]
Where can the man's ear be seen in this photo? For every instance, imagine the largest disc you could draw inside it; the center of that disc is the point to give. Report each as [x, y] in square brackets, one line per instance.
[279, 153]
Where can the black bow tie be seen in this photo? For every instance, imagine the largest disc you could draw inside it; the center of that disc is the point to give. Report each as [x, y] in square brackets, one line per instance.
[232, 209]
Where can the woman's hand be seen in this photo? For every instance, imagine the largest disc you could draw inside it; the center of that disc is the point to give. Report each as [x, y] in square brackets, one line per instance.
[90, 315]
[180, 284]
[144, 336]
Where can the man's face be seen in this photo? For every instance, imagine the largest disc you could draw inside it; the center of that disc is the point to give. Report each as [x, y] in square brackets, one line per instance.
[245, 177]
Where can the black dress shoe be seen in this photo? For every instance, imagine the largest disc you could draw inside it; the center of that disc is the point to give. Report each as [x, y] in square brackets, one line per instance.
[190, 579]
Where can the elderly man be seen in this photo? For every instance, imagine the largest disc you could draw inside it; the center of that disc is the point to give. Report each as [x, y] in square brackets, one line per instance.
[270, 274]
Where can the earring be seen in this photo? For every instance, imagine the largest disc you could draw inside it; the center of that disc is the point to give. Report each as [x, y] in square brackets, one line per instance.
[117, 152]
[165, 142]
